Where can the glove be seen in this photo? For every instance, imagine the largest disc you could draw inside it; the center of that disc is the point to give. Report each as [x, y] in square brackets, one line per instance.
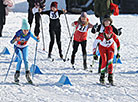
[96, 15]
[95, 57]
[94, 29]
[118, 56]
[119, 31]
[95, 26]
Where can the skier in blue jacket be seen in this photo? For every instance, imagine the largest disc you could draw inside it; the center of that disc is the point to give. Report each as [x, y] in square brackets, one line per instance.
[21, 48]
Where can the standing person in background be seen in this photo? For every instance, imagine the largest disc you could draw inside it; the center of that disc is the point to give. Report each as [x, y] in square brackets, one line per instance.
[80, 37]
[34, 4]
[102, 8]
[3, 5]
[54, 27]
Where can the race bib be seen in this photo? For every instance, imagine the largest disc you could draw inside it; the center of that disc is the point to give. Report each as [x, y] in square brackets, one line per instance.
[54, 15]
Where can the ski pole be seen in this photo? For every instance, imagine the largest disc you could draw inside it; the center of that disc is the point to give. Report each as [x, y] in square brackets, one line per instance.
[67, 23]
[69, 45]
[68, 49]
[92, 63]
[116, 64]
[35, 60]
[9, 66]
[42, 34]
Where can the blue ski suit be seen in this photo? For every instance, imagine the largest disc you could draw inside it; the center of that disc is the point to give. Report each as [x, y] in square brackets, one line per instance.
[21, 47]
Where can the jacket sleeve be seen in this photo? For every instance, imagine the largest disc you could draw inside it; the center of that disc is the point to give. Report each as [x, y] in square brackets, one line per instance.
[75, 23]
[14, 38]
[115, 30]
[117, 42]
[96, 30]
[34, 37]
[45, 12]
[97, 40]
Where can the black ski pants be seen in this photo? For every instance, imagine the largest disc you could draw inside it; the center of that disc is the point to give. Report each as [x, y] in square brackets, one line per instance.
[1, 28]
[53, 33]
[83, 46]
[37, 21]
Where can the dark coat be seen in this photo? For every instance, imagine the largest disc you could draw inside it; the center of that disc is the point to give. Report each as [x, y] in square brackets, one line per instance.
[102, 7]
[33, 2]
[2, 13]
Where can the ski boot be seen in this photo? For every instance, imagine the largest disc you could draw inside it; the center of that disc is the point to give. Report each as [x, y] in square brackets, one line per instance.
[85, 65]
[110, 79]
[102, 78]
[72, 59]
[49, 55]
[84, 62]
[28, 77]
[16, 76]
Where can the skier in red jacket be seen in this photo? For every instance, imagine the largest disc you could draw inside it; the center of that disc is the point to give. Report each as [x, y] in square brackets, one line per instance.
[106, 48]
[80, 37]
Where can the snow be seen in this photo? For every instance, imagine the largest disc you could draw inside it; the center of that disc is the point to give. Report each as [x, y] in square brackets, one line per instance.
[84, 87]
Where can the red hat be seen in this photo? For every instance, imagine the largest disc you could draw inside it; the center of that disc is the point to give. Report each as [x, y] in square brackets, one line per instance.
[108, 30]
[54, 4]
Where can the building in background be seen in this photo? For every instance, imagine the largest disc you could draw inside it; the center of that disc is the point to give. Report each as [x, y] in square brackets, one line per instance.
[129, 6]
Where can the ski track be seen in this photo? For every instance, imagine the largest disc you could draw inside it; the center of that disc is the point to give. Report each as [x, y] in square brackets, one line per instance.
[84, 87]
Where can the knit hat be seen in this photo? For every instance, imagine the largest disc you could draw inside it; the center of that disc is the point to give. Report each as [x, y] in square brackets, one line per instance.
[25, 25]
[84, 14]
[54, 4]
[107, 18]
[108, 30]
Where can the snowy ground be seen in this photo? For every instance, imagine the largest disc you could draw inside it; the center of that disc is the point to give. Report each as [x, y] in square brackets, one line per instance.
[84, 87]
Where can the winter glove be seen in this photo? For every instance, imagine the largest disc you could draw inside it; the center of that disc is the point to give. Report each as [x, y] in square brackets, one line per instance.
[119, 31]
[96, 15]
[95, 57]
[118, 56]
[94, 29]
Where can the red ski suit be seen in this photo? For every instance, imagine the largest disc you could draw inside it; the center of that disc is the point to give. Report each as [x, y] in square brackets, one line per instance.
[106, 49]
[81, 31]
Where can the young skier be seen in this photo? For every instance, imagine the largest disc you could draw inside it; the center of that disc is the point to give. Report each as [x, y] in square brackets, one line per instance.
[80, 37]
[106, 48]
[21, 49]
[54, 27]
[100, 28]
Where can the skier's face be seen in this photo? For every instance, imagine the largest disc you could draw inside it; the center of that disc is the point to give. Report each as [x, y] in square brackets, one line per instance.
[25, 32]
[107, 23]
[54, 9]
[83, 19]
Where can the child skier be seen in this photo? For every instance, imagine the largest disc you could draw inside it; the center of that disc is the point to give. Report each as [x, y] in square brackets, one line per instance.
[21, 49]
[100, 28]
[106, 22]
[106, 49]
[80, 37]
[54, 27]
